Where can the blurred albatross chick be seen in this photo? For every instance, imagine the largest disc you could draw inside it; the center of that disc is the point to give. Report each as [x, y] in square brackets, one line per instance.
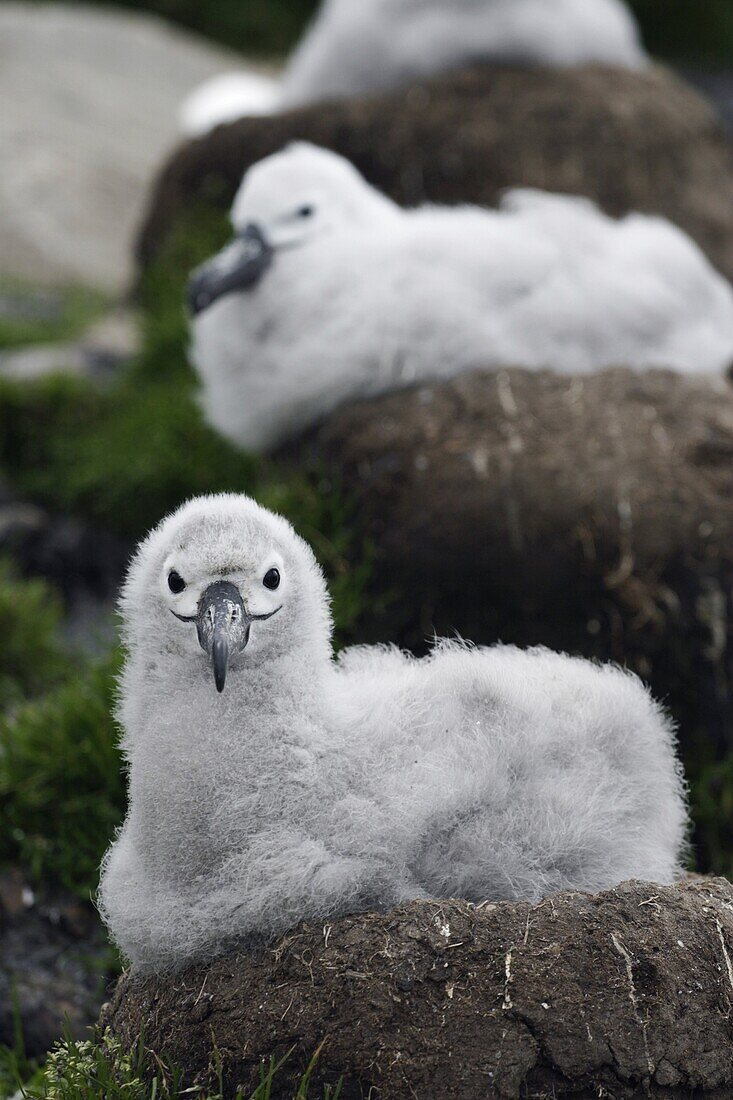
[311, 787]
[359, 47]
[331, 292]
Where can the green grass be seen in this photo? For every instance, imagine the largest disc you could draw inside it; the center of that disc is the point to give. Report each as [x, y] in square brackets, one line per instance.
[102, 1070]
[61, 785]
[16, 1069]
[121, 457]
[32, 315]
[125, 457]
[32, 658]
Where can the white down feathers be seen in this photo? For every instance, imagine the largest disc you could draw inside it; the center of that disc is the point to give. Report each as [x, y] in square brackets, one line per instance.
[358, 47]
[314, 787]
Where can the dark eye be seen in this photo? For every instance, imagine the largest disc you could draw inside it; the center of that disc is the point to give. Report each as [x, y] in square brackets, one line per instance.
[306, 211]
[176, 582]
[271, 579]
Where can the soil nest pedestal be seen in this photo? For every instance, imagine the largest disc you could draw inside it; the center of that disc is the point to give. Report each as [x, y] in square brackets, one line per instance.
[624, 994]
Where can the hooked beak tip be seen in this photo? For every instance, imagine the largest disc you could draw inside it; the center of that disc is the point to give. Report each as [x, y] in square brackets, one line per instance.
[220, 656]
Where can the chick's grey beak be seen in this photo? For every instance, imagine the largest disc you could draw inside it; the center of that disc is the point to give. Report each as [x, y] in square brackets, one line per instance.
[223, 627]
[239, 266]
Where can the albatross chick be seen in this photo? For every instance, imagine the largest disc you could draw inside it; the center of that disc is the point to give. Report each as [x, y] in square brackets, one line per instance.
[270, 782]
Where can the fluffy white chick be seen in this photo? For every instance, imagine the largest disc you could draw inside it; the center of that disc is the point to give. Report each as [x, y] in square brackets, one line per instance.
[360, 46]
[308, 787]
[355, 47]
[330, 291]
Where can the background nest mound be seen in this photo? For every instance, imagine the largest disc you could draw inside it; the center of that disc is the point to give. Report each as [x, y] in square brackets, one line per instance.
[589, 514]
[624, 994]
[630, 140]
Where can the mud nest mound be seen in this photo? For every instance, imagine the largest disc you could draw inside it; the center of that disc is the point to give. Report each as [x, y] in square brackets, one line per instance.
[630, 140]
[589, 514]
[620, 995]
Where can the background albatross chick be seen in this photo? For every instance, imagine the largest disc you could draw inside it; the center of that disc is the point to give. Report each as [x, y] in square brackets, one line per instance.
[356, 47]
[330, 291]
[360, 46]
[312, 787]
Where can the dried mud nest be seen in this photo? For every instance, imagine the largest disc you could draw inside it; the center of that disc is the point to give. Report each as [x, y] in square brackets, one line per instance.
[590, 514]
[620, 995]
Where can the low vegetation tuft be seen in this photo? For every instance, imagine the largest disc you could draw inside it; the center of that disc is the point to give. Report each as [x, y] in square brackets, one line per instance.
[92, 1070]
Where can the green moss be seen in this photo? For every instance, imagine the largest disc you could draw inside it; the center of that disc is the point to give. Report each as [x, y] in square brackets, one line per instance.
[122, 457]
[201, 232]
[61, 784]
[59, 770]
[32, 658]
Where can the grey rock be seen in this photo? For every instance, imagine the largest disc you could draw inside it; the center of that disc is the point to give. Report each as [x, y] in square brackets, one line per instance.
[106, 346]
[42, 305]
[90, 100]
[27, 364]
[85, 564]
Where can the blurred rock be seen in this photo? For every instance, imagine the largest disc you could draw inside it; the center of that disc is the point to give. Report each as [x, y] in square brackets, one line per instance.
[54, 964]
[36, 305]
[90, 100]
[589, 514]
[27, 364]
[629, 140]
[86, 565]
[106, 346]
[112, 340]
[626, 994]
